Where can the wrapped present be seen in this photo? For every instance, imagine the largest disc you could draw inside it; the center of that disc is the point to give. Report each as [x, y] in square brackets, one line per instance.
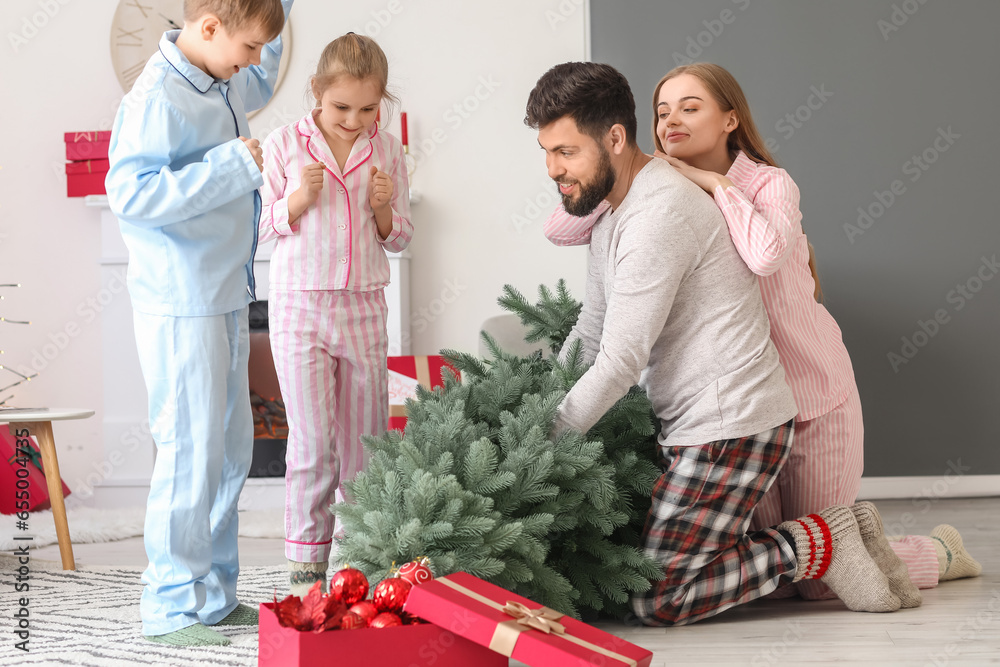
[516, 627]
[401, 646]
[87, 145]
[405, 374]
[32, 483]
[86, 177]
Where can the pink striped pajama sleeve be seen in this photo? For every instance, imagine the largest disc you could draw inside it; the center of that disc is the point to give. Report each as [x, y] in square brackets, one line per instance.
[402, 228]
[564, 229]
[763, 230]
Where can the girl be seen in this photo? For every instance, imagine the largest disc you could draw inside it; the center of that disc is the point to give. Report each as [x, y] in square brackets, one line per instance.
[703, 127]
[335, 199]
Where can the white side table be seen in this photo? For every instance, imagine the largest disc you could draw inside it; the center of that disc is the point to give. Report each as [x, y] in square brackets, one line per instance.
[38, 423]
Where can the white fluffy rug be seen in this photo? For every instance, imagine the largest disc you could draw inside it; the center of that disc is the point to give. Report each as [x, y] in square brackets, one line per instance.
[90, 618]
[89, 525]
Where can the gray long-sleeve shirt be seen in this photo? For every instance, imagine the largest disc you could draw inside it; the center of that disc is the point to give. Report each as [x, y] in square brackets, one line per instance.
[670, 305]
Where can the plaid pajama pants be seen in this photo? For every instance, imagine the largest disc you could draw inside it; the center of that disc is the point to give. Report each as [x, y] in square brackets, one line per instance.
[697, 528]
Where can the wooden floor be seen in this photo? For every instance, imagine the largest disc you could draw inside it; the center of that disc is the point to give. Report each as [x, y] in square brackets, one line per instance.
[958, 624]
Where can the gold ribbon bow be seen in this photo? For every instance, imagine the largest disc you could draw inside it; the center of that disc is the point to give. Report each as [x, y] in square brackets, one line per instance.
[544, 619]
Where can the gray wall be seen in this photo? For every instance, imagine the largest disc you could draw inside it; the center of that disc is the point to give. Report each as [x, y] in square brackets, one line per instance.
[890, 95]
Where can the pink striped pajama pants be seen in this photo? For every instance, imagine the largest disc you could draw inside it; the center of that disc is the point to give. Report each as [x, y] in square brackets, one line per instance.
[823, 469]
[329, 351]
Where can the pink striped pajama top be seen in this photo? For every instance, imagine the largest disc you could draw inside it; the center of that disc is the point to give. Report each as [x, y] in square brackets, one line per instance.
[765, 223]
[336, 245]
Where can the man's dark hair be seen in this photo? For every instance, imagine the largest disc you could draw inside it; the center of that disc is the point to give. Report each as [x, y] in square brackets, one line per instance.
[594, 95]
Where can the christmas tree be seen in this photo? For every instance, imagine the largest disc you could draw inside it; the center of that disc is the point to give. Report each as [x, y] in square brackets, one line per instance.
[476, 484]
[6, 372]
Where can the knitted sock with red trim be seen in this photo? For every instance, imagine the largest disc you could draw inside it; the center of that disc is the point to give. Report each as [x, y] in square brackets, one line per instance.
[872, 534]
[302, 576]
[828, 546]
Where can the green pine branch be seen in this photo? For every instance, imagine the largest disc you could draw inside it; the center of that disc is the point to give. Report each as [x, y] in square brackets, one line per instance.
[552, 318]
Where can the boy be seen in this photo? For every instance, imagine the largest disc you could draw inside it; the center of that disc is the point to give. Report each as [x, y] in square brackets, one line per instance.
[183, 183]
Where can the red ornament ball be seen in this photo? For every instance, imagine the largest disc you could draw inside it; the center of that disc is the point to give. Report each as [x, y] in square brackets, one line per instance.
[386, 619]
[365, 609]
[390, 594]
[349, 585]
[352, 621]
[417, 571]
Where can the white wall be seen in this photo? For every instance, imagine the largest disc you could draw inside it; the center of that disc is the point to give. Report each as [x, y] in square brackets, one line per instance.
[476, 228]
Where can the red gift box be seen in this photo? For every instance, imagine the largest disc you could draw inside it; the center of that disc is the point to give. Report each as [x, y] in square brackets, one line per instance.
[404, 374]
[13, 460]
[86, 178]
[87, 145]
[401, 646]
[518, 628]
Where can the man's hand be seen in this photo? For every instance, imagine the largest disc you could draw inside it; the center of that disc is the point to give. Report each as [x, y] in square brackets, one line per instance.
[258, 154]
[379, 189]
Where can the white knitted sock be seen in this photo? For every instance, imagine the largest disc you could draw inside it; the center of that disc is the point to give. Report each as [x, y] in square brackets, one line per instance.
[954, 562]
[302, 576]
[872, 534]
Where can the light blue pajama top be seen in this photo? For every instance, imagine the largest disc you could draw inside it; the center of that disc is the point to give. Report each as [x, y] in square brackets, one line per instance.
[184, 187]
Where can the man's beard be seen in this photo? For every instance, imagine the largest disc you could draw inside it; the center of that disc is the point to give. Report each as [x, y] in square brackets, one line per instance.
[591, 195]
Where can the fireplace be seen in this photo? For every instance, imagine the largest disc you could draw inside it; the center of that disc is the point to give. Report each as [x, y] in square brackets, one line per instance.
[270, 426]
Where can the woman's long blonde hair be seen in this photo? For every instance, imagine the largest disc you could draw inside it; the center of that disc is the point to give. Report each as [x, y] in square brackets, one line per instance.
[728, 94]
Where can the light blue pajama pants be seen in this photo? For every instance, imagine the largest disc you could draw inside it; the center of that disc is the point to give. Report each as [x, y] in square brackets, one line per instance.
[195, 370]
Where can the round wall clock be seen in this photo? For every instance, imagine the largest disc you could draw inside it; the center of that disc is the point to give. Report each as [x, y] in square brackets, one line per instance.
[136, 30]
